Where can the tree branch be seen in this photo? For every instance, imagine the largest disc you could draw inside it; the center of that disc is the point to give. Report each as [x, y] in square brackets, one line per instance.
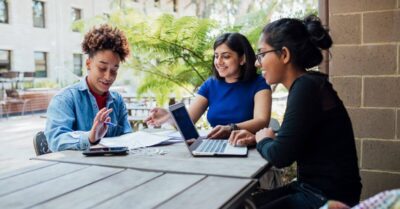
[179, 46]
[166, 76]
[193, 68]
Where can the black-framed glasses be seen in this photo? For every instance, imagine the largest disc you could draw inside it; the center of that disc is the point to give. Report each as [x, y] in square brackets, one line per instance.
[261, 55]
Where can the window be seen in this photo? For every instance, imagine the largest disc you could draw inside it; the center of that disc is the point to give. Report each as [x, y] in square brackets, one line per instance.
[5, 60]
[38, 14]
[41, 64]
[78, 64]
[76, 15]
[3, 11]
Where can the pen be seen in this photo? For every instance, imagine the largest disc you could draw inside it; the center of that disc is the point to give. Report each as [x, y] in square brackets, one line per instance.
[110, 124]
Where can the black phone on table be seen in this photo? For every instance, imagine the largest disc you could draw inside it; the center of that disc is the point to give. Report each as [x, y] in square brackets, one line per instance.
[98, 151]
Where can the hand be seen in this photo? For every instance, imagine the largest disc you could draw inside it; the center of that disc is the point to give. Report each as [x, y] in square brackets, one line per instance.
[263, 133]
[332, 204]
[219, 132]
[157, 117]
[99, 129]
[242, 138]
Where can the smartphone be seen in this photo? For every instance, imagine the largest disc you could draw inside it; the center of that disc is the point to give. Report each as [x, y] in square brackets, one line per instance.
[99, 151]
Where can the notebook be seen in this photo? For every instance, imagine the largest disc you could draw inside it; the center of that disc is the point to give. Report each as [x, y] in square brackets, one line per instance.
[199, 146]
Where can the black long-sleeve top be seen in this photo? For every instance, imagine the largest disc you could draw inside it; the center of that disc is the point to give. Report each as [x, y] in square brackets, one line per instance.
[317, 133]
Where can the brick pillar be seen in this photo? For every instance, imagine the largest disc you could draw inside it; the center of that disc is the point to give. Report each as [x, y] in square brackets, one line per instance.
[364, 69]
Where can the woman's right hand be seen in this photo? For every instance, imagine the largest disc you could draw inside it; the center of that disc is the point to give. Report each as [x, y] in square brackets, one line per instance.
[157, 117]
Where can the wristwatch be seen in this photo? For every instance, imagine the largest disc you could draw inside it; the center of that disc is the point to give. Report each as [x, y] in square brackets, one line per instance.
[94, 143]
[233, 127]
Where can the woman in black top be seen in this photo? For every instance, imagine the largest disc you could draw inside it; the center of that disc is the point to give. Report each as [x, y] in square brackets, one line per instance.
[316, 131]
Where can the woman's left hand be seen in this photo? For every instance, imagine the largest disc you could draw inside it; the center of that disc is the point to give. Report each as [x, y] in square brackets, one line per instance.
[263, 133]
[242, 138]
[219, 132]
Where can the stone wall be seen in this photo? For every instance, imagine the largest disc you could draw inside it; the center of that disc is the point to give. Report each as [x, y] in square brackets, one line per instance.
[364, 69]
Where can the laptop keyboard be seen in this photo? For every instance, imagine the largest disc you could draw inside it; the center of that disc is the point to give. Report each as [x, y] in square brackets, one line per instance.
[213, 146]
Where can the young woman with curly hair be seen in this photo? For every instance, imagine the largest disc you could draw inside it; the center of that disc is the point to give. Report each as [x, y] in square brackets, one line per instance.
[78, 114]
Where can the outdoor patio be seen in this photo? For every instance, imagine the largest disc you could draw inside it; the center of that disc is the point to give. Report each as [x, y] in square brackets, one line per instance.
[16, 137]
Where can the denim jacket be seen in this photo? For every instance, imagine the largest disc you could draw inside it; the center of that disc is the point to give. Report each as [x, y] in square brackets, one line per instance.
[70, 117]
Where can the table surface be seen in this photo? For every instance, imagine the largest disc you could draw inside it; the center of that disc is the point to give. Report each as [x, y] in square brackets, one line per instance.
[156, 177]
[67, 185]
[177, 159]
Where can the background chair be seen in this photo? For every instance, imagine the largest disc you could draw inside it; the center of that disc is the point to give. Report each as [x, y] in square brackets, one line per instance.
[13, 98]
[9, 77]
[26, 77]
[274, 124]
[40, 144]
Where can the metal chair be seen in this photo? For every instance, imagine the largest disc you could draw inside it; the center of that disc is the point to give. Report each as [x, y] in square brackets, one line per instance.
[40, 144]
[26, 77]
[13, 98]
[9, 77]
[274, 124]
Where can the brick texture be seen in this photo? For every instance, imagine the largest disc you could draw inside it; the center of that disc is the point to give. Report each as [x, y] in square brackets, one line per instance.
[346, 29]
[381, 27]
[382, 92]
[375, 182]
[363, 60]
[36, 101]
[373, 123]
[358, 148]
[365, 71]
[373, 5]
[398, 124]
[349, 90]
[345, 6]
[381, 155]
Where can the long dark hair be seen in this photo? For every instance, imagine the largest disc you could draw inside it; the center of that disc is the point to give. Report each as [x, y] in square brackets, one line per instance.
[304, 38]
[238, 43]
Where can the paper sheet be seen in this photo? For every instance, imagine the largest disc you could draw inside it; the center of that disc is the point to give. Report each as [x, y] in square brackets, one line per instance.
[134, 140]
[177, 134]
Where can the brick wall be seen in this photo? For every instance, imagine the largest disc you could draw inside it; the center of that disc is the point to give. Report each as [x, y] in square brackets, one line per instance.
[37, 101]
[364, 69]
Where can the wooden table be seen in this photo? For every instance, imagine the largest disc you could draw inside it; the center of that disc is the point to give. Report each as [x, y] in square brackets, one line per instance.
[63, 185]
[176, 159]
[157, 177]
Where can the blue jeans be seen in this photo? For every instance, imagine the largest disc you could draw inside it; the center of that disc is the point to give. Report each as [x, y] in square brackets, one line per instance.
[294, 195]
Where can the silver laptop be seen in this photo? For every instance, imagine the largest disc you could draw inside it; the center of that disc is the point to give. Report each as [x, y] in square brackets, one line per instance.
[200, 146]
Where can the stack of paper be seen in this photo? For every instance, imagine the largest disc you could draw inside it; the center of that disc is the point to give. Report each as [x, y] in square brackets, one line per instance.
[134, 140]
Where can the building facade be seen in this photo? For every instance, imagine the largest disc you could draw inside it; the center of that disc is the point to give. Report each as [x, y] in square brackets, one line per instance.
[37, 35]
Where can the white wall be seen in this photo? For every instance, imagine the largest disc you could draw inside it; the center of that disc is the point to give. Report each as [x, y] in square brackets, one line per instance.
[57, 38]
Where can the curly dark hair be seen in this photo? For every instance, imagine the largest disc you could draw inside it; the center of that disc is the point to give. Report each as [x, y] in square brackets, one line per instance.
[103, 38]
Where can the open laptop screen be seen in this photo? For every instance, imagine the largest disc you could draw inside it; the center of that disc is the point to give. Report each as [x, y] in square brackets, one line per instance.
[183, 121]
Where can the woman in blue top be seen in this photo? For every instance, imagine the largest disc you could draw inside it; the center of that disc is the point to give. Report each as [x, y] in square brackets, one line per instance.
[236, 96]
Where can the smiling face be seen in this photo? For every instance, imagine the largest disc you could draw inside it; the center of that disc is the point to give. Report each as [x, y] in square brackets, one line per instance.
[271, 63]
[227, 63]
[102, 70]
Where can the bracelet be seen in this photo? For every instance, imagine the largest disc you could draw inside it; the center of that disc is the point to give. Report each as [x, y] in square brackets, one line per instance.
[94, 143]
[233, 127]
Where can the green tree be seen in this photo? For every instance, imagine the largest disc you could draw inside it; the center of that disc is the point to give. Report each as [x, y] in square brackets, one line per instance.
[174, 55]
